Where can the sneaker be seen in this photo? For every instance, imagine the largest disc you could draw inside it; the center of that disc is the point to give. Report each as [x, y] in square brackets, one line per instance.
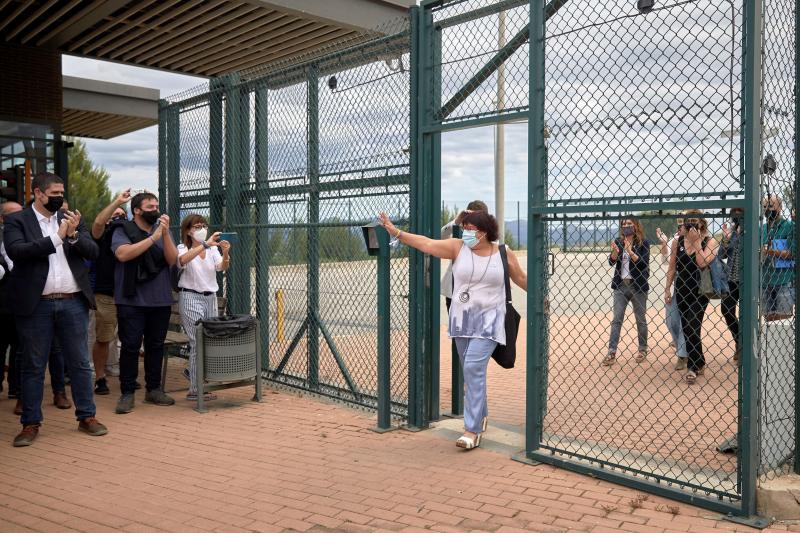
[101, 387]
[26, 436]
[185, 373]
[92, 426]
[125, 404]
[680, 364]
[641, 356]
[610, 359]
[18, 407]
[112, 371]
[158, 397]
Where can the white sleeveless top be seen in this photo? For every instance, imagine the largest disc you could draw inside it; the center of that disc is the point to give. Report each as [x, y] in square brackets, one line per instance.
[483, 315]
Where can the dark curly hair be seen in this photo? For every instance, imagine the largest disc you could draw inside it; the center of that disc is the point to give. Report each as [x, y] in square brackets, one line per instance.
[484, 222]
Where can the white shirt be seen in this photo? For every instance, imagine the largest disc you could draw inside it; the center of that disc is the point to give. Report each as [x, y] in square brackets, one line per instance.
[483, 315]
[200, 274]
[626, 266]
[9, 262]
[59, 275]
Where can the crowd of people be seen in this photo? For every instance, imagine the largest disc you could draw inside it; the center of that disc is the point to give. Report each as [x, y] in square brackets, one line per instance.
[691, 254]
[55, 274]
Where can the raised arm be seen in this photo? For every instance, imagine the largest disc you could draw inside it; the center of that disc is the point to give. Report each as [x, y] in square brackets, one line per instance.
[705, 256]
[441, 248]
[99, 224]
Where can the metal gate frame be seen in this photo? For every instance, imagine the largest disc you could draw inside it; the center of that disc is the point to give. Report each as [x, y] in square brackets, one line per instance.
[427, 126]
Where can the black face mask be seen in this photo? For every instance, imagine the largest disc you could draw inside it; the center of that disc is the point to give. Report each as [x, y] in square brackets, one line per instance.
[118, 218]
[771, 214]
[150, 216]
[690, 225]
[54, 203]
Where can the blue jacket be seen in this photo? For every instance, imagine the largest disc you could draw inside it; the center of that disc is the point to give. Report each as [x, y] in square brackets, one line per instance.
[640, 270]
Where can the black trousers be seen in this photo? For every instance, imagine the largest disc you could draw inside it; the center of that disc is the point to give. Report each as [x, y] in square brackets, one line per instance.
[135, 325]
[8, 339]
[692, 308]
[728, 304]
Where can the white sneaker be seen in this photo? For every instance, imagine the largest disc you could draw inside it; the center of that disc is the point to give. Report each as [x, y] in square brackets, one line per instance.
[112, 371]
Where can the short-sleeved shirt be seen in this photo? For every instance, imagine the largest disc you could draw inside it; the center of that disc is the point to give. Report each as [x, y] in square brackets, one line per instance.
[103, 267]
[156, 292]
[200, 274]
[777, 236]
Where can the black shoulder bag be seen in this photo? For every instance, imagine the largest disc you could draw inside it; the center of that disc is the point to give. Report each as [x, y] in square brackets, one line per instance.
[506, 356]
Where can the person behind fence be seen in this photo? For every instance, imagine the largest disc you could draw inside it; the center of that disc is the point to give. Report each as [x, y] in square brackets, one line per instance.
[777, 264]
[731, 250]
[50, 294]
[446, 285]
[199, 260]
[672, 315]
[103, 267]
[630, 257]
[477, 311]
[691, 253]
[143, 293]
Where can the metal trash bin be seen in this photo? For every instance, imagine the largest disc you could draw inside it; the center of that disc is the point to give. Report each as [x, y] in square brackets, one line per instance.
[228, 354]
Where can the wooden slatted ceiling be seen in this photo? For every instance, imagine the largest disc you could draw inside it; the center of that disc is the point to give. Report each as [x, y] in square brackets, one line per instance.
[100, 125]
[200, 37]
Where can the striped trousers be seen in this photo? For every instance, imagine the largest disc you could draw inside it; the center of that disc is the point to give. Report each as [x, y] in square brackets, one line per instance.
[194, 307]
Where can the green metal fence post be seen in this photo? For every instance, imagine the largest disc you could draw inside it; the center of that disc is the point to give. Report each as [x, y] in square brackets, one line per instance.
[313, 229]
[262, 250]
[537, 197]
[215, 151]
[173, 170]
[796, 186]
[384, 325]
[435, 217]
[237, 164]
[162, 155]
[751, 132]
[416, 202]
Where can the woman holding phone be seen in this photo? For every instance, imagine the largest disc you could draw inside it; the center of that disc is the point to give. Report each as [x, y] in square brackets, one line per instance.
[199, 260]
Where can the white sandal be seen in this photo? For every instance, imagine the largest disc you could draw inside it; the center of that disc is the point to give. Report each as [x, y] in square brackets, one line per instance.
[468, 443]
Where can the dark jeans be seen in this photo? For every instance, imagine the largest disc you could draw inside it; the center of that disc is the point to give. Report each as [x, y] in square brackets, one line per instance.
[693, 310]
[67, 321]
[136, 323]
[729, 303]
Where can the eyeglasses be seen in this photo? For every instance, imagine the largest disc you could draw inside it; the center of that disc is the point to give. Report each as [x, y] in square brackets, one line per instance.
[200, 226]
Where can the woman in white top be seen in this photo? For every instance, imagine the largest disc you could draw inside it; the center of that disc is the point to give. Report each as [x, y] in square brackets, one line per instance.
[199, 259]
[477, 311]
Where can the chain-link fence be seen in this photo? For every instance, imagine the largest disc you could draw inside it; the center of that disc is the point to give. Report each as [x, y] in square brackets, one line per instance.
[777, 357]
[294, 158]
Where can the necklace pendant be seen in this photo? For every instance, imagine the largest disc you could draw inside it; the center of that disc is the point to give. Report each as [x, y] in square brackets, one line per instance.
[463, 297]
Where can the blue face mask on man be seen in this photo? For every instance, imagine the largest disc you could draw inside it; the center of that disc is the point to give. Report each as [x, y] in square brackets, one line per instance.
[470, 238]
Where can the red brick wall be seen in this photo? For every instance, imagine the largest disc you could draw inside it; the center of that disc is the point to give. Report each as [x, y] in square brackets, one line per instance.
[30, 84]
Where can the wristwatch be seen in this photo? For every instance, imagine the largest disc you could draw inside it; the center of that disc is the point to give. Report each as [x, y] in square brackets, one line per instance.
[206, 245]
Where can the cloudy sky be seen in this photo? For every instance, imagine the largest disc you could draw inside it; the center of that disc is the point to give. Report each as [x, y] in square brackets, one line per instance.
[131, 160]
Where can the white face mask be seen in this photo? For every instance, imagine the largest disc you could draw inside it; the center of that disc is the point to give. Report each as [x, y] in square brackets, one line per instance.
[200, 235]
[470, 237]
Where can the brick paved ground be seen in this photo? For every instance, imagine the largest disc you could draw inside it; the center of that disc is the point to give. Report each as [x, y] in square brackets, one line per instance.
[298, 463]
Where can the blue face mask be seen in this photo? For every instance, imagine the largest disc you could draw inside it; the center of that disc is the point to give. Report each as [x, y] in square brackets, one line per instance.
[470, 238]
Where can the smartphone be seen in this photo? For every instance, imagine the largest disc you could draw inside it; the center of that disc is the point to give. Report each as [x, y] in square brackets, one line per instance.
[230, 237]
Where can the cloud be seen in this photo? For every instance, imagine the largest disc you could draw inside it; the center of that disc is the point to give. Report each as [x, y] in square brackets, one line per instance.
[131, 160]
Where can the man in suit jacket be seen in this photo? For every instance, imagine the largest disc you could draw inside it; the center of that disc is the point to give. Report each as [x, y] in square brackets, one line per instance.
[49, 288]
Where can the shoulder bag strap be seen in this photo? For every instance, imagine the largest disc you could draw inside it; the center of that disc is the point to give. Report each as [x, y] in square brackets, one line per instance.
[504, 259]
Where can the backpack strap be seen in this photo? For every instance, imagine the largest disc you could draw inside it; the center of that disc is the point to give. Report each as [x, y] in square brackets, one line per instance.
[504, 259]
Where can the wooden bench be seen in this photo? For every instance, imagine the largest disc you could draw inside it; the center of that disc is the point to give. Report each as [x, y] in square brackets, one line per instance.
[176, 343]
